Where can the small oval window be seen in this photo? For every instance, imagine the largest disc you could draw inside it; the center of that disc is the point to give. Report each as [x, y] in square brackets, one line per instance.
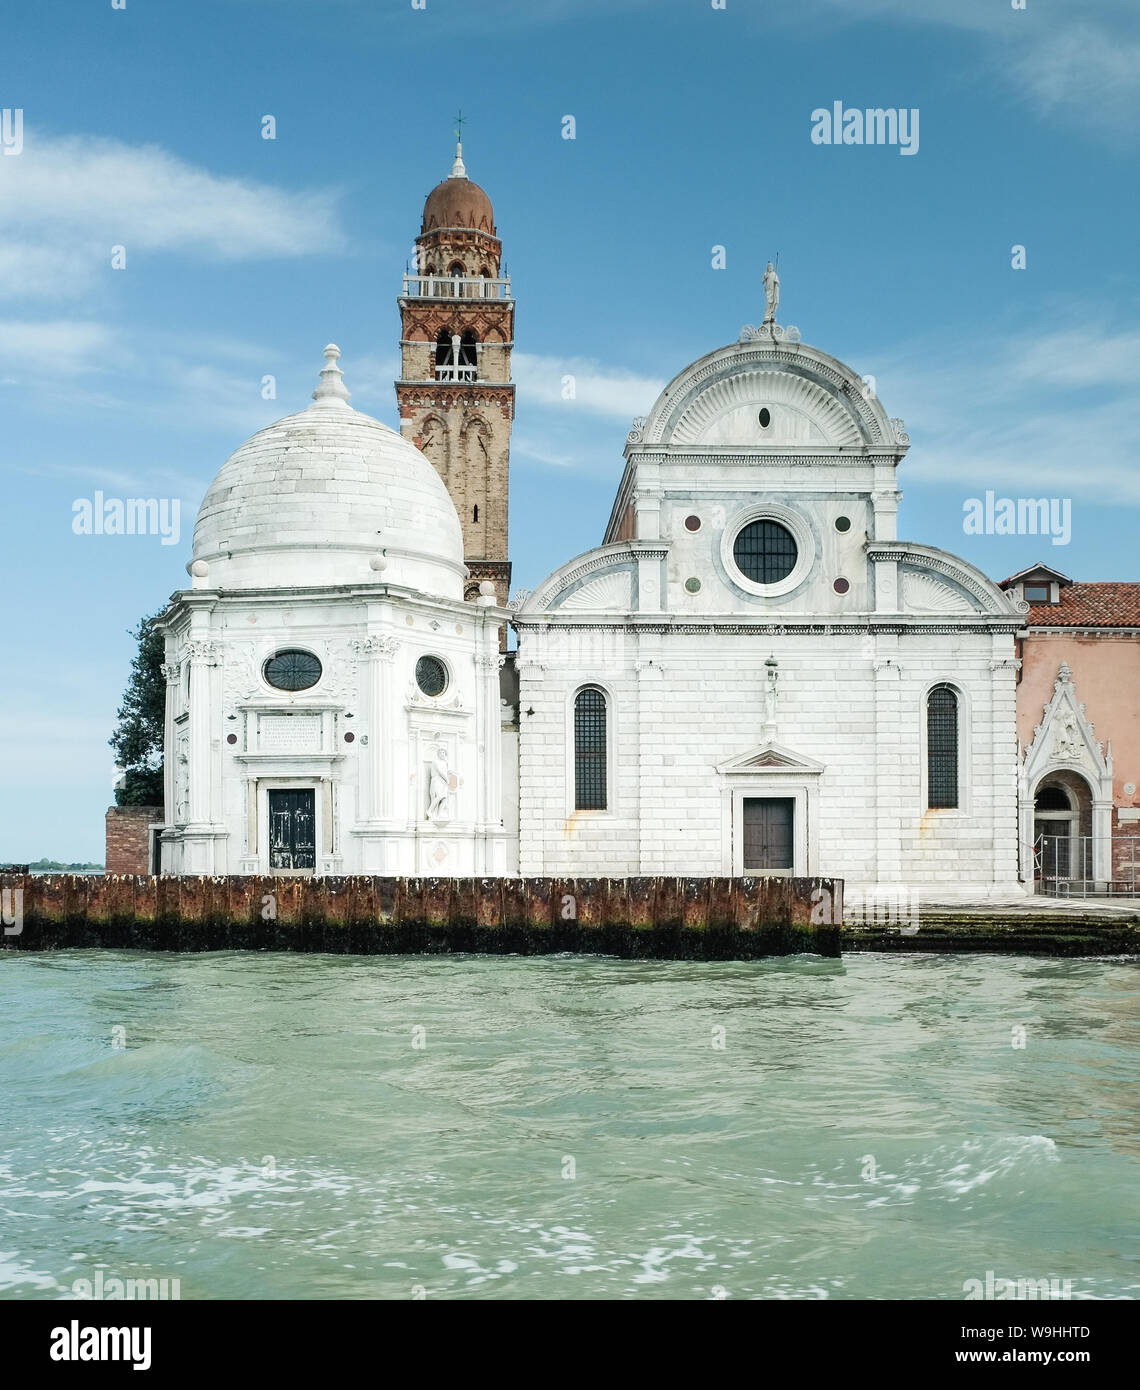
[292, 670]
[765, 418]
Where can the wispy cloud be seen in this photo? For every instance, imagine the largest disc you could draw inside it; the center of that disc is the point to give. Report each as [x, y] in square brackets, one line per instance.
[579, 383]
[65, 202]
[1085, 69]
[58, 347]
[369, 378]
[1085, 72]
[525, 447]
[1052, 407]
[188, 382]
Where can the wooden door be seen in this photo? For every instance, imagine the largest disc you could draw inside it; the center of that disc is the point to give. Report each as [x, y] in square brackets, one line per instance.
[769, 842]
[292, 829]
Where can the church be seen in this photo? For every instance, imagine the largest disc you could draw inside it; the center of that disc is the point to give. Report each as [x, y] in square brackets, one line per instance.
[752, 674]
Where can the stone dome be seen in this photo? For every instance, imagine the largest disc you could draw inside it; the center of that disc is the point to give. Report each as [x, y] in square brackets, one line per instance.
[457, 202]
[329, 496]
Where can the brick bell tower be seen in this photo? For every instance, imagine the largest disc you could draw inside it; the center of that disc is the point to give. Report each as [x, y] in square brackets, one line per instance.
[455, 392]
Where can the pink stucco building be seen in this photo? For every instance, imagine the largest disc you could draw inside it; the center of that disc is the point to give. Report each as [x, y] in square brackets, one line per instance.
[1078, 725]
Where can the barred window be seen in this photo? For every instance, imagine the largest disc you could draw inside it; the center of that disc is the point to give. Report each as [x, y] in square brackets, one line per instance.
[765, 552]
[942, 748]
[590, 750]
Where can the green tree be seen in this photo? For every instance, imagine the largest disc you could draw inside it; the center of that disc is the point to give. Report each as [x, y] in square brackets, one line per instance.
[137, 739]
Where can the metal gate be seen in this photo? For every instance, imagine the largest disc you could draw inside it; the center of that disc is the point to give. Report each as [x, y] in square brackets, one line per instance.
[1063, 867]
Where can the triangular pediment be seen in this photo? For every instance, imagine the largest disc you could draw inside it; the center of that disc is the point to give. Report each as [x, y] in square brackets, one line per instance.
[1065, 738]
[772, 758]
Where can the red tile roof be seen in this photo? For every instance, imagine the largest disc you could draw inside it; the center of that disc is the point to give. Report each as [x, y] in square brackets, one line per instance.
[1109, 604]
[1035, 570]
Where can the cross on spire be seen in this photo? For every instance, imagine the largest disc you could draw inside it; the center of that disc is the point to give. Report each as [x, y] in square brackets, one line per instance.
[457, 169]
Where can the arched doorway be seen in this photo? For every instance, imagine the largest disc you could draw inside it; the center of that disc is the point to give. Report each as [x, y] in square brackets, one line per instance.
[1062, 831]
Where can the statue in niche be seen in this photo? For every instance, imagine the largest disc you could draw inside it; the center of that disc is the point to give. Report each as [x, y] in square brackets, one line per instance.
[439, 786]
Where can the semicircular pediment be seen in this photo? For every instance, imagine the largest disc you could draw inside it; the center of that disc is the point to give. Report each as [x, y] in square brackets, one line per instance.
[800, 411]
[934, 581]
[924, 593]
[608, 592]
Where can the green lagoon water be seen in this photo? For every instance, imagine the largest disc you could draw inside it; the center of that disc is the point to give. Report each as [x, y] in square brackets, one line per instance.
[570, 1129]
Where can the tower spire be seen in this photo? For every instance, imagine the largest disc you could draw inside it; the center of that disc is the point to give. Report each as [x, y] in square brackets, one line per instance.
[455, 394]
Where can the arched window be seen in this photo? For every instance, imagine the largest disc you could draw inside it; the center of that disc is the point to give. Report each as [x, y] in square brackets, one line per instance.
[443, 353]
[590, 750]
[1052, 798]
[942, 748]
[456, 356]
[435, 442]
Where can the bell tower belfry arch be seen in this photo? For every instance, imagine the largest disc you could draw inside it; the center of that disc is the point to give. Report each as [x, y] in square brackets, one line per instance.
[455, 394]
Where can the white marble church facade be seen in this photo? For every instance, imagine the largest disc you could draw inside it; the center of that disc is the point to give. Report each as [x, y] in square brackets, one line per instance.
[773, 720]
[751, 675]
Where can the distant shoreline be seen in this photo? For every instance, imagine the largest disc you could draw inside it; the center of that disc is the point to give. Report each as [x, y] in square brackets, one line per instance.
[52, 866]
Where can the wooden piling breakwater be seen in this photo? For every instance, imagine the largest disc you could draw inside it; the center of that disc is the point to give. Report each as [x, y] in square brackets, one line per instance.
[664, 918]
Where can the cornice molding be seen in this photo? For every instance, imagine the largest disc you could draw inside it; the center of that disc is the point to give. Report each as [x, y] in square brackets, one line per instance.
[793, 455]
[989, 623]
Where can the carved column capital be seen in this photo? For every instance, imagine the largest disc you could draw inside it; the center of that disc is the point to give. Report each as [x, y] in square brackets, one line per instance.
[202, 652]
[379, 647]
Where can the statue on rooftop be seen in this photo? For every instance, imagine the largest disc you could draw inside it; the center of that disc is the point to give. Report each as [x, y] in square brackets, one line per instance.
[771, 293]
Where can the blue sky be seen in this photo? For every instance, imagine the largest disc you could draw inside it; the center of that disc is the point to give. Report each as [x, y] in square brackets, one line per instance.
[142, 128]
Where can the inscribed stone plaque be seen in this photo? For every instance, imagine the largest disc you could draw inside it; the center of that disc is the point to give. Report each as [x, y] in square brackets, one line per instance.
[290, 733]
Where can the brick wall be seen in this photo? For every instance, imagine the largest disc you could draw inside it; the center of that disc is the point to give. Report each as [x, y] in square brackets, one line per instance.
[667, 918]
[128, 838]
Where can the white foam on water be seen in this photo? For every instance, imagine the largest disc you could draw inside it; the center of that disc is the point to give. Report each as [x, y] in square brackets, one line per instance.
[14, 1275]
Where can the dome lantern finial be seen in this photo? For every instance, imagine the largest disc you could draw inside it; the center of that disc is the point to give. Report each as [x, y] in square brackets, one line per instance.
[331, 391]
[458, 169]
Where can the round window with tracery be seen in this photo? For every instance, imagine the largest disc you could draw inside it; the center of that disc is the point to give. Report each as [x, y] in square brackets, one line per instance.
[431, 675]
[292, 670]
